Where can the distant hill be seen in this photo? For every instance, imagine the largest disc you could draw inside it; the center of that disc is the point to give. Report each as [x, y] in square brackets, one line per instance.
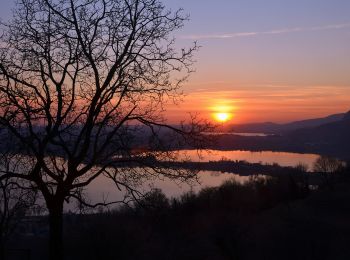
[332, 138]
[329, 136]
[273, 128]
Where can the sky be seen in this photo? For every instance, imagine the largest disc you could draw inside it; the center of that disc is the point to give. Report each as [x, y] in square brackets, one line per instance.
[270, 60]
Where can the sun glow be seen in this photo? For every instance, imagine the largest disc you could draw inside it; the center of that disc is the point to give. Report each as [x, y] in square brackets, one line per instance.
[223, 111]
[223, 117]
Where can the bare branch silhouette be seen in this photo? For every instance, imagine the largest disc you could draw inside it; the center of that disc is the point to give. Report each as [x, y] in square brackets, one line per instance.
[82, 84]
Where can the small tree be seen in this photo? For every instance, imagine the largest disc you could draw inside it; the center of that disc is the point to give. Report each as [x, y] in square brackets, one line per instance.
[328, 167]
[302, 177]
[326, 164]
[82, 83]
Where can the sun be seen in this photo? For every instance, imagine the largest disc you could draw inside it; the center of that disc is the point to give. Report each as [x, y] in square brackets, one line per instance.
[223, 111]
[223, 117]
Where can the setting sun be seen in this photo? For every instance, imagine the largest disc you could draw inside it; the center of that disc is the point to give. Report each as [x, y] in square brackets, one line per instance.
[222, 117]
[222, 111]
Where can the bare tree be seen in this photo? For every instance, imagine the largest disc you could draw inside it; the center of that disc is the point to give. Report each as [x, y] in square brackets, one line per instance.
[326, 164]
[328, 167]
[83, 82]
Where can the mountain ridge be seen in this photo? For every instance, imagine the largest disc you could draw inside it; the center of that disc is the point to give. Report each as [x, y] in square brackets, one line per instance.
[276, 128]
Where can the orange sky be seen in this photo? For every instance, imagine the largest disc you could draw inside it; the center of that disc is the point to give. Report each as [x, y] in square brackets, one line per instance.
[267, 60]
[263, 103]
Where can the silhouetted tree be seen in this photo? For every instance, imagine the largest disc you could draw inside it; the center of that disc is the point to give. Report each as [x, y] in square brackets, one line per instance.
[302, 177]
[81, 83]
[328, 166]
[302, 167]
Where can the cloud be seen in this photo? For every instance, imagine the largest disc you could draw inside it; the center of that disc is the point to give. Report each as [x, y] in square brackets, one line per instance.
[271, 32]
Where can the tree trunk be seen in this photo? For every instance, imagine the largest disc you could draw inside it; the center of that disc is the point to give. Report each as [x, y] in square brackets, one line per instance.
[56, 231]
[2, 246]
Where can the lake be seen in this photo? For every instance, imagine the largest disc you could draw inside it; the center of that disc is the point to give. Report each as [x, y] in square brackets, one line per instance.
[264, 157]
[104, 188]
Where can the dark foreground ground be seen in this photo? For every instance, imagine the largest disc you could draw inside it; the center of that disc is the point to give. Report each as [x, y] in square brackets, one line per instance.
[279, 218]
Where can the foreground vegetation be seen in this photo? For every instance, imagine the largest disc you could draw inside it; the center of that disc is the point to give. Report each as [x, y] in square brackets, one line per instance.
[264, 218]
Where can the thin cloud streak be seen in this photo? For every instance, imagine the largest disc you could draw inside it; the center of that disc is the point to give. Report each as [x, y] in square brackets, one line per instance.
[271, 32]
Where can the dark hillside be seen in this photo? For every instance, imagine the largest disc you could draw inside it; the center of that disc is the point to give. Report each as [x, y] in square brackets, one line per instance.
[332, 138]
[329, 139]
[273, 128]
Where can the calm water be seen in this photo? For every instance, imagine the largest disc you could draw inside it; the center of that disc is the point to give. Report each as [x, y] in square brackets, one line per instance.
[282, 158]
[104, 188]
